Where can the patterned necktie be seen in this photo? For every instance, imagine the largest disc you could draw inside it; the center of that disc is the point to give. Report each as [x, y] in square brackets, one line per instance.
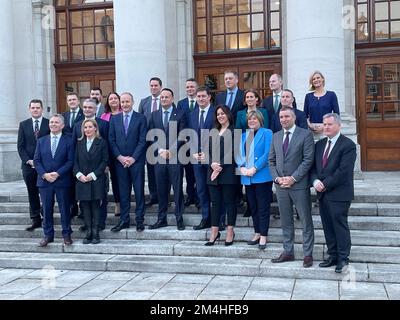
[54, 146]
[191, 107]
[276, 103]
[154, 107]
[286, 143]
[230, 100]
[326, 154]
[36, 131]
[73, 116]
[166, 119]
[126, 124]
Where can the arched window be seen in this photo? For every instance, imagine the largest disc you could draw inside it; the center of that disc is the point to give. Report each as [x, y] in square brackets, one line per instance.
[85, 30]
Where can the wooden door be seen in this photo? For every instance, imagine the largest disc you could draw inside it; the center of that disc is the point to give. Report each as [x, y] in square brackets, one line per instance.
[379, 113]
[80, 80]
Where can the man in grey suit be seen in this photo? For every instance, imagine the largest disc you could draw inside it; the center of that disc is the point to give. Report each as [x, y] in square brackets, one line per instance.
[290, 160]
[147, 106]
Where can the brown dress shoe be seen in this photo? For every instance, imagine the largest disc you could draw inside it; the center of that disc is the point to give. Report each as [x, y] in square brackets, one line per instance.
[45, 241]
[283, 258]
[67, 240]
[308, 261]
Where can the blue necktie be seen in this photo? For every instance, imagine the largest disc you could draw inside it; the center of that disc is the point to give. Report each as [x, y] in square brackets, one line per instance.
[230, 100]
[276, 103]
[54, 146]
[126, 124]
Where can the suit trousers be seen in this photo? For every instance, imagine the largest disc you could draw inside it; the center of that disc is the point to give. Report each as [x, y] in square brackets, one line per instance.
[151, 179]
[104, 203]
[91, 214]
[336, 228]
[190, 182]
[64, 203]
[200, 173]
[114, 180]
[259, 196]
[30, 178]
[128, 177]
[167, 175]
[288, 197]
[223, 195]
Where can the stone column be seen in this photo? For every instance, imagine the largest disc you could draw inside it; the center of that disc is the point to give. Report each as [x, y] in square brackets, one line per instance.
[9, 161]
[140, 45]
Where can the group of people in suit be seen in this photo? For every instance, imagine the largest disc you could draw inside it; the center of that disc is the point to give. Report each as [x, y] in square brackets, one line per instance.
[76, 150]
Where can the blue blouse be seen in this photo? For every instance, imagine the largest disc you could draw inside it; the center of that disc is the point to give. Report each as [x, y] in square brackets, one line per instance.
[315, 108]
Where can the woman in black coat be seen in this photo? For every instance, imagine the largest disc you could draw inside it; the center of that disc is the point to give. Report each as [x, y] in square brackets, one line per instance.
[222, 179]
[91, 159]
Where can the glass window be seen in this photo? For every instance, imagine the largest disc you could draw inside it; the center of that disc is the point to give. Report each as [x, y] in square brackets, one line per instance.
[88, 32]
[237, 25]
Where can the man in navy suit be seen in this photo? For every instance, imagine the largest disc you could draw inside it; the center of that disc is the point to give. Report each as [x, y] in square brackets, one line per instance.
[89, 111]
[29, 132]
[54, 160]
[147, 106]
[288, 100]
[233, 97]
[74, 114]
[202, 119]
[168, 170]
[273, 103]
[332, 176]
[189, 105]
[127, 139]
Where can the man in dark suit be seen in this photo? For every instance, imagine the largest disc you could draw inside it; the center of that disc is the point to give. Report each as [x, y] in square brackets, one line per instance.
[290, 160]
[272, 103]
[29, 132]
[288, 100]
[54, 160]
[189, 105]
[127, 139]
[74, 114]
[89, 111]
[332, 177]
[168, 170]
[147, 106]
[97, 94]
[202, 119]
[233, 97]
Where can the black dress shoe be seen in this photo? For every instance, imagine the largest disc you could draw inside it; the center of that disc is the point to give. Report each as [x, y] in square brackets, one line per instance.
[283, 258]
[140, 227]
[341, 266]
[102, 227]
[67, 240]
[120, 226]
[188, 202]
[158, 224]
[35, 225]
[45, 241]
[328, 263]
[204, 224]
[151, 202]
[180, 225]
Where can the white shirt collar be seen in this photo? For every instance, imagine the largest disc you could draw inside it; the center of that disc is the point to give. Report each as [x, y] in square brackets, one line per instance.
[291, 130]
[56, 135]
[334, 139]
[40, 120]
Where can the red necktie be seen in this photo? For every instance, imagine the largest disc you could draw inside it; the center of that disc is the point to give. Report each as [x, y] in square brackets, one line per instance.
[326, 154]
[286, 143]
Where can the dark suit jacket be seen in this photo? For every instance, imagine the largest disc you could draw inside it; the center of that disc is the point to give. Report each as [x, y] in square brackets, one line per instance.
[194, 124]
[338, 175]
[87, 162]
[301, 120]
[67, 116]
[298, 160]
[27, 141]
[238, 104]
[103, 129]
[132, 145]
[184, 105]
[62, 163]
[156, 122]
[228, 173]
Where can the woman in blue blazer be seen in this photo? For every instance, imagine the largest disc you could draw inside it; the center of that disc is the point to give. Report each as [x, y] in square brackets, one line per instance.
[253, 164]
[252, 100]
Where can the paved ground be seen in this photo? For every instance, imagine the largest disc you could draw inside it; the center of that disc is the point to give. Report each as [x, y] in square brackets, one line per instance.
[49, 284]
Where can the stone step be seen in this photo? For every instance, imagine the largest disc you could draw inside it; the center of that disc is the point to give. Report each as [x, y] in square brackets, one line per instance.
[367, 254]
[356, 209]
[355, 222]
[358, 237]
[357, 272]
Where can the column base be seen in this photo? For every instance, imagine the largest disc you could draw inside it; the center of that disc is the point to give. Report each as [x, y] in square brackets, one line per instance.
[10, 162]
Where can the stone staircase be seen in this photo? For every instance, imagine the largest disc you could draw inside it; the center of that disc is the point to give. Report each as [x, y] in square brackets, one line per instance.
[375, 257]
